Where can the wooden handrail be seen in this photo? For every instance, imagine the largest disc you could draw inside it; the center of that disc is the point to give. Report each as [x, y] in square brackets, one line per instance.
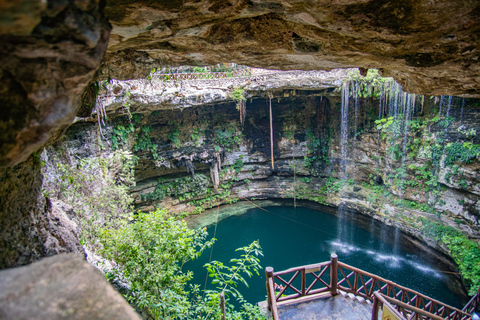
[378, 299]
[393, 290]
[473, 304]
[307, 267]
[401, 306]
[366, 285]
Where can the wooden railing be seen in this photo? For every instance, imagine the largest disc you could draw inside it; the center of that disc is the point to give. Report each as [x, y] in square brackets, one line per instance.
[379, 301]
[402, 310]
[333, 275]
[474, 304]
[364, 284]
[202, 75]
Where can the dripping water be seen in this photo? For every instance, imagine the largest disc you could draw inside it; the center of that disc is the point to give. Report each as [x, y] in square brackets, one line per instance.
[343, 161]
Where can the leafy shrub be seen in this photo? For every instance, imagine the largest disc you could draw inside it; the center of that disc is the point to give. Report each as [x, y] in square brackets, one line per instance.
[464, 251]
[149, 255]
[184, 188]
[96, 188]
[120, 135]
[143, 141]
[227, 138]
[463, 152]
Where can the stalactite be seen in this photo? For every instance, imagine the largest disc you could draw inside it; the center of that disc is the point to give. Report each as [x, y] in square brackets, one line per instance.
[214, 175]
[190, 167]
[215, 168]
[219, 160]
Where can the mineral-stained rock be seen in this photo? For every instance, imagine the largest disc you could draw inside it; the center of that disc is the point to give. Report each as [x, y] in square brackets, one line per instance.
[50, 51]
[61, 287]
[430, 47]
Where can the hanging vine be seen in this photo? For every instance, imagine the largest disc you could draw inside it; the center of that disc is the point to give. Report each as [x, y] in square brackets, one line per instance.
[238, 96]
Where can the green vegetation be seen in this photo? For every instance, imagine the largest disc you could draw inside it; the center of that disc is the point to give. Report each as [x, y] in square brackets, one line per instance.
[238, 165]
[174, 133]
[463, 152]
[143, 142]
[465, 252]
[369, 86]
[120, 136]
[304, 190]
[196, 137]
[185, 188]
[238, 95]
[108, 204]
[317, 149]
[228, 138]
[212, 198]
[149, 255]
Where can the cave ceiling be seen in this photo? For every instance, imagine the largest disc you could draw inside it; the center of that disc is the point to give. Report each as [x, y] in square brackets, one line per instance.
[430, 47]
[51, 50]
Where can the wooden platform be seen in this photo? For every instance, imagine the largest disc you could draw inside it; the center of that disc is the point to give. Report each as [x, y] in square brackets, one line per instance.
[339, 307]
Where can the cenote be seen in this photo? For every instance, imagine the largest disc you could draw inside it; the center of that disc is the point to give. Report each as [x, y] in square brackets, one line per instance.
[304, 235]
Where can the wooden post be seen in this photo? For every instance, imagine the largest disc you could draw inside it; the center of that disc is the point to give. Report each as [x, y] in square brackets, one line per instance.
[303, 282]
[417, 305]
[333, 274]
[375, 307]
[272, 301]
[269, 275]
[222, 305]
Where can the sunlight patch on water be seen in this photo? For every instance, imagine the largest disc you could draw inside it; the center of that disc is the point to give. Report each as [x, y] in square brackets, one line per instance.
[393, 261]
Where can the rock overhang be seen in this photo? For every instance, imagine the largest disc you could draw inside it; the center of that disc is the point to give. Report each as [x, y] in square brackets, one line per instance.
[430, 48]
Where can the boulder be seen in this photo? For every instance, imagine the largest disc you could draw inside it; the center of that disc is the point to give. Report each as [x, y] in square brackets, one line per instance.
[61, 287]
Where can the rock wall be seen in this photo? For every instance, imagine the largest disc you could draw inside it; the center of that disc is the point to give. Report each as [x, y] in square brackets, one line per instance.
[199, 154]
[32, 225]
[50, 52]
[194, 158]
[429, 47]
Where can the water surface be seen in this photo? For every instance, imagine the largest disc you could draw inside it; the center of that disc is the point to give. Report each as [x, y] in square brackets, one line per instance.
[293, 237]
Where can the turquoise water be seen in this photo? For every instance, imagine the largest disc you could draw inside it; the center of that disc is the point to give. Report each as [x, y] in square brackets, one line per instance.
[293, 237]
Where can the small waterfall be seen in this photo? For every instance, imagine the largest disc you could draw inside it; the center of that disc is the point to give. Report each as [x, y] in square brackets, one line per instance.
[406, 117]
[344, 127]
[442, 101]
[356, 97]
[449, 105]
[342, 215]
[461, 115]
[380, 103]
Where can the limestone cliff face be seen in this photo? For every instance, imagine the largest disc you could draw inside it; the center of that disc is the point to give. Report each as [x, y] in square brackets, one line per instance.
[193, 158]
[430, 47]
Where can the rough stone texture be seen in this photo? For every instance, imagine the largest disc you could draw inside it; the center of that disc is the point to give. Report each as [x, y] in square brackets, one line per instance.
[31, 226]
[50, 52]
[430, 47]
[369, 157]
[61, 287]
[146, 96]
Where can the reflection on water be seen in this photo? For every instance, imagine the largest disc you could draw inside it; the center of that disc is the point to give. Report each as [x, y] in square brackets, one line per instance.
[294, 237]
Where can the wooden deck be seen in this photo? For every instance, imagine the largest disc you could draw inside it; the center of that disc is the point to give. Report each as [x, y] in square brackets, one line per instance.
[324, 306]
[320, 291]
